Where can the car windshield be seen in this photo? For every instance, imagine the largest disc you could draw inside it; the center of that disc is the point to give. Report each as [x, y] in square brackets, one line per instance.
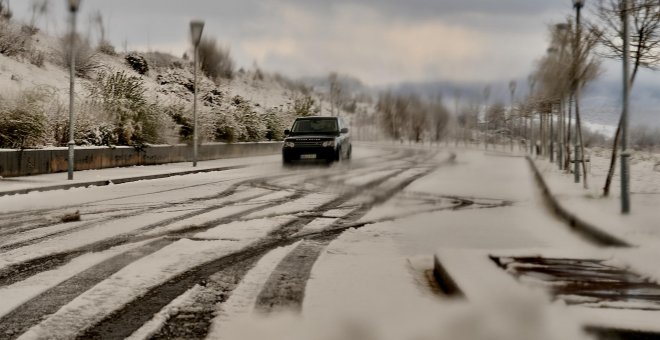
[320, 125]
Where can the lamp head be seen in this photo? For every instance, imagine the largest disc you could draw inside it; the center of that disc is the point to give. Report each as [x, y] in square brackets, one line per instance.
[196, 28]
[74, 5]
[578, 3]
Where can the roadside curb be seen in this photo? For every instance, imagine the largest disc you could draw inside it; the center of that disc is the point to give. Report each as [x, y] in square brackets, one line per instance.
[582, 227]
[123, 180]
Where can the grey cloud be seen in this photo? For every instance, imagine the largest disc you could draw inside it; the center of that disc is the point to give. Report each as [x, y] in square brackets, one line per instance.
[324, 35]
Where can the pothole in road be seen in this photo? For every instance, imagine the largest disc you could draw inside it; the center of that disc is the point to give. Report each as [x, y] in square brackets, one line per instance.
[585, 282]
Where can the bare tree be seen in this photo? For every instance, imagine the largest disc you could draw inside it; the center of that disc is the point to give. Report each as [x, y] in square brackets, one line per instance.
[104, 46]
[468, 118]
[511, 120]
[486, 98]
[390, 117]
[38, 8]
[417, 115]
[567, 67]
[5, 10]
[496, 116]
[336, 94]
[86, 57]
[644, 46]
[439, 117]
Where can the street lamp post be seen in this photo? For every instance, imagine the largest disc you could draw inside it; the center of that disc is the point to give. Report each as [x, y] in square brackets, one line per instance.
[73, 9]
[625, 175]
[561, 28]
[577, 4]
[196, 28]
[512, 90]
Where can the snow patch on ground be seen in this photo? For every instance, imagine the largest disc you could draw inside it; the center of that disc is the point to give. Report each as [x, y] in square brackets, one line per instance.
[129, 283]
[306, 203]
[638, 228]
[18, 293]
[82, 237]
[244, 230]
[152, 326]
[244, 297]
[380, 299]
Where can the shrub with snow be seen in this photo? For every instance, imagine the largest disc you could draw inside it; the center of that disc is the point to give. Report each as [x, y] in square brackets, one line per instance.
[85, 56]
[159, 60]
[214, 60]
[106, 47]
[12, 40]
[137, 63]
[122, 98]
[304, 106]
[23, 122]
[275, 124]
[182, 120]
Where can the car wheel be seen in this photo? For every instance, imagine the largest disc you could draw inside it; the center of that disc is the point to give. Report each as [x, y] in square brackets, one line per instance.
[338, 155]
[350, 151]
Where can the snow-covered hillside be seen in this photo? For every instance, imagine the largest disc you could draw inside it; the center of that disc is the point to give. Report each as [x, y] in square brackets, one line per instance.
[254, 105]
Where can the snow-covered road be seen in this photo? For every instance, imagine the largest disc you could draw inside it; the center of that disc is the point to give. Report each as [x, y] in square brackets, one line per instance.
[196, 256]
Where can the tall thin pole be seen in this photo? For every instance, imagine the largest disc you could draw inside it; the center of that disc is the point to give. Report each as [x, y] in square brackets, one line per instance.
[552, 134]
[576, 90]
[512, 89]
[568, 133]
[578, 123]
[625, 176]
[72, 80]
[560, 147]
[195, 138]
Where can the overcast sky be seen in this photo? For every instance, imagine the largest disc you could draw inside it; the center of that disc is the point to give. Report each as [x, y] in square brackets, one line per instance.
[379, 41]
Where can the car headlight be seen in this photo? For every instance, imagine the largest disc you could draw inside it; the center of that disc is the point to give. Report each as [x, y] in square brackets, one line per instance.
[329, 143]
[289, 144]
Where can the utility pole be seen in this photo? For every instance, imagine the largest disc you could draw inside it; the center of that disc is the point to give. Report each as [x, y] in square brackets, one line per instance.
[73, 9]
[625, 154]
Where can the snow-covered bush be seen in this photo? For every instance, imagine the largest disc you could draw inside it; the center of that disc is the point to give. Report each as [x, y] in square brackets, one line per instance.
[275, 124]
[226, 128]
[86, 59]
[182, 120]
[12, 40]
[122, 98]
[36, 57]
[644, 137]
[252, 123]
[23, 122]
[214, 60]
[159, 60]
[304, 106]
[106, 47]
[30, 30]
[137, 63]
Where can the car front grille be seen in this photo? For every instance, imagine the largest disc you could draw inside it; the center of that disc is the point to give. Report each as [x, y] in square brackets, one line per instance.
[308, 143]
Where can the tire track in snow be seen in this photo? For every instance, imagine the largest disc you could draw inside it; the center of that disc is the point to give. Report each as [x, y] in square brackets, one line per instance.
[20, 271]
[124, 322]
[286, 287]
[26, 269]
[23, 317]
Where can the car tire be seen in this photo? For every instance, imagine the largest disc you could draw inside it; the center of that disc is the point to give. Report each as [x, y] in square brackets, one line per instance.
[350, 151]
[338, 155]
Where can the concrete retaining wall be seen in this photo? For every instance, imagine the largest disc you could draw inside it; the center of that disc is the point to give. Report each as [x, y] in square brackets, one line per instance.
[15, 163]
